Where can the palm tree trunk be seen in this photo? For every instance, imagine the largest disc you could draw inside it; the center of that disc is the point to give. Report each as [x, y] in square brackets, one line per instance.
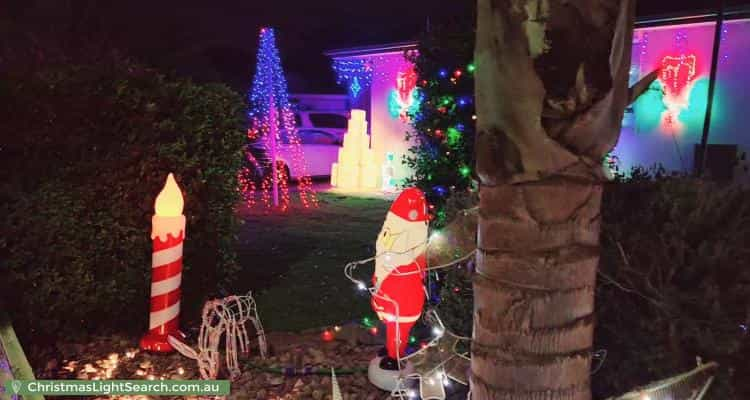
[551, 86]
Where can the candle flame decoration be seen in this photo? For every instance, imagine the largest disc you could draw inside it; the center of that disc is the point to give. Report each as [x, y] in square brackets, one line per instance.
[169, 202]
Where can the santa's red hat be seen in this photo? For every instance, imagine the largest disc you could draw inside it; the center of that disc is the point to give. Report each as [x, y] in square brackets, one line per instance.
[411, 205]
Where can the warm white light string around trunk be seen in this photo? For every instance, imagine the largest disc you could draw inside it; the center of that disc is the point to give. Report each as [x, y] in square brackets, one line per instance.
[691, 385]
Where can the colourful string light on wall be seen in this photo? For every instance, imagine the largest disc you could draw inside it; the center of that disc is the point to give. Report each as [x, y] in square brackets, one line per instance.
[677, 74]
[271, 118]
[355, 87]
[404, 99]
[356, 73]
[346, 70]
[676, 100]
[724, 34]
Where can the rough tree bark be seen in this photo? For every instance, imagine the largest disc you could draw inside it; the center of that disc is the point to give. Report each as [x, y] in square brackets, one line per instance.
[551, 88]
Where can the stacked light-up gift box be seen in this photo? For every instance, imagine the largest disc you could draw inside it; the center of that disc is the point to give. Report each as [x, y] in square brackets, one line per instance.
[356, 168]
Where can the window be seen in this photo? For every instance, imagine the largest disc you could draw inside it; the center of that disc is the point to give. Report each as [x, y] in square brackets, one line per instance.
[327, 120]
[311, 136]
[297, 120]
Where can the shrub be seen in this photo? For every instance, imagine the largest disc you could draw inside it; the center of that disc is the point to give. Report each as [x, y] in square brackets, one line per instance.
[86, 150]
[674, 284]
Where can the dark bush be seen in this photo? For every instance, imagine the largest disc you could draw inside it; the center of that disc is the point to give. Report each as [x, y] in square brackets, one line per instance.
[85, 150]
[674, 283]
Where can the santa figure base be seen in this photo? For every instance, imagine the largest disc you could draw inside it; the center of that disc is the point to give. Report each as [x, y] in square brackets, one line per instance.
[383, 378]
[159, 343]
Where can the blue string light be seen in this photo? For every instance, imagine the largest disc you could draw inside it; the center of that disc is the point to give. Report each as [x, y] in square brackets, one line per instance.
[270, 92]
[357, 74]
[269, 83]
[355, 88]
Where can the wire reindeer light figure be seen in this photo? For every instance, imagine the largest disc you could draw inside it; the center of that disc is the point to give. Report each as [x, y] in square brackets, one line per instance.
[228, 317]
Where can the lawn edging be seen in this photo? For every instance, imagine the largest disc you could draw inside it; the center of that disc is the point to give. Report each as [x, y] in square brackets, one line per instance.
[16, 357]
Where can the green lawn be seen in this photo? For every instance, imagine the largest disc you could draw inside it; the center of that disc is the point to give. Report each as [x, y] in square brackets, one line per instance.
[294, 262]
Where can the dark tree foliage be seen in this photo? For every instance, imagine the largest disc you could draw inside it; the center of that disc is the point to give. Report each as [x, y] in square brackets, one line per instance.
[88, 140]
[674, 284]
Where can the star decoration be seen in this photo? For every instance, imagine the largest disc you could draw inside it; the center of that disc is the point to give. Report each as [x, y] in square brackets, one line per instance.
[438, 362]
[442, 354]
[355, 87]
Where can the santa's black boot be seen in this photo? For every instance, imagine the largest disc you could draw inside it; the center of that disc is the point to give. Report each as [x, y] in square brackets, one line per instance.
[389, 364]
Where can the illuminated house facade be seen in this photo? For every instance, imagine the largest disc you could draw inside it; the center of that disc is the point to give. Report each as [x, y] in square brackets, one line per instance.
[663, 126]
[667, 122]
[382, 81]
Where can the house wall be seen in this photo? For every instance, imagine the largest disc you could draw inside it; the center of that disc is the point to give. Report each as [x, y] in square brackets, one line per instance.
[665, 123]
[388, 132]
[320, 102]
[730, 114]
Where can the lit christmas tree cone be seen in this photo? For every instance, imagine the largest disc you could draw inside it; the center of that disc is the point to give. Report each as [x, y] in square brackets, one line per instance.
[168, 234]
[400, 268]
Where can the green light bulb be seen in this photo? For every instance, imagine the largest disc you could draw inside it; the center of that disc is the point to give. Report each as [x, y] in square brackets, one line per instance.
[454, 135]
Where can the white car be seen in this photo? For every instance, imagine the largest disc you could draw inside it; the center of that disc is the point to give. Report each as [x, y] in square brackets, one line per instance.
[320, 149]
[332, 122]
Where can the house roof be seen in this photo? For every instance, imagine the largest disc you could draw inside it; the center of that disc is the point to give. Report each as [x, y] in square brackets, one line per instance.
[372, 49]
[735, 12]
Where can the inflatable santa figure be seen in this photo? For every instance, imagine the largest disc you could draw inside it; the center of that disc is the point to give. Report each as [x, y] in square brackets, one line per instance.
[400, 267]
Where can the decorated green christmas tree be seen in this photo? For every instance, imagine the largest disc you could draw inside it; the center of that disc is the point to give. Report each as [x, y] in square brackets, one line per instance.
[442, 156]
[443, 150]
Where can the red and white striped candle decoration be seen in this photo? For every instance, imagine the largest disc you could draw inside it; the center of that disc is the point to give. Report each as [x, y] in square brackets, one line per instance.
[167, 233]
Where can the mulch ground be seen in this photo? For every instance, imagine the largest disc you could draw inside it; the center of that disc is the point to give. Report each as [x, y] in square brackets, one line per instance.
[115, 357]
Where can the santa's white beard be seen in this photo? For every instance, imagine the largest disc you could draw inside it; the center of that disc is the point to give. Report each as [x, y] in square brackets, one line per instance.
[410, 243]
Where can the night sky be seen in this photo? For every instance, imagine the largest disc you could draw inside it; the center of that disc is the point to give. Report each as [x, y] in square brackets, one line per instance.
[216, 40]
